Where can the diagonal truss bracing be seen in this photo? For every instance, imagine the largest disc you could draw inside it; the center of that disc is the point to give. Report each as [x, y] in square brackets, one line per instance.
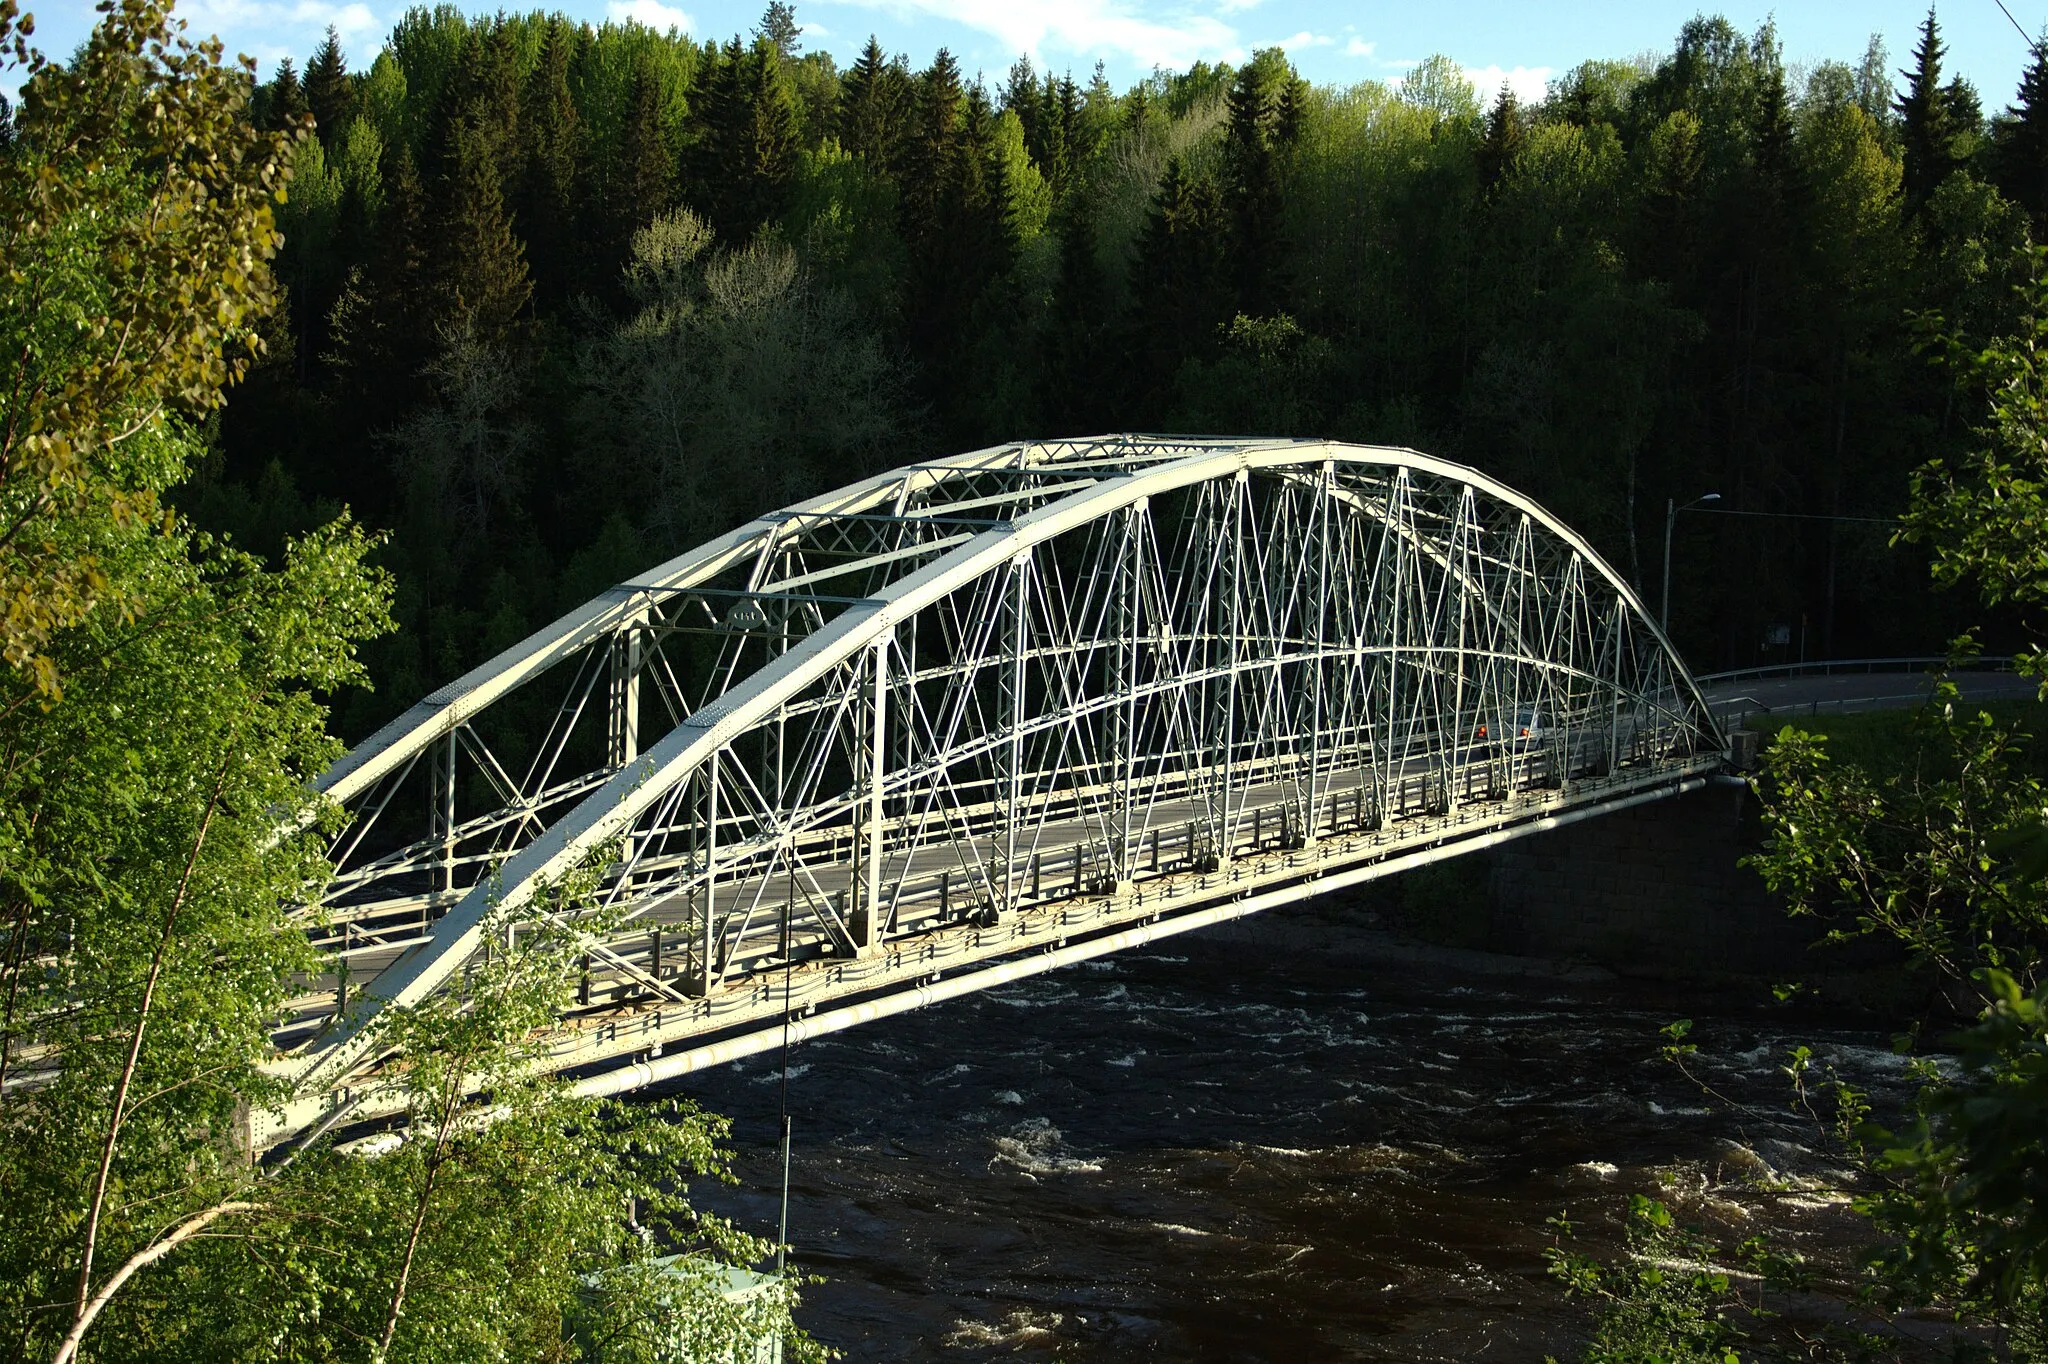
[978, 708]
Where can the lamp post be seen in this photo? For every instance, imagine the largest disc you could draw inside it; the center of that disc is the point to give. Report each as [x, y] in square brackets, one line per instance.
[1671, 511]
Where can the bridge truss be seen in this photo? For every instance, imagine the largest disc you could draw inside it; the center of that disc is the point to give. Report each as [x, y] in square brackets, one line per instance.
[979, 717]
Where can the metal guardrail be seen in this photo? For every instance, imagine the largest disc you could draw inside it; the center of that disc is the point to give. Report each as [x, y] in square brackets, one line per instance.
[1832, 666]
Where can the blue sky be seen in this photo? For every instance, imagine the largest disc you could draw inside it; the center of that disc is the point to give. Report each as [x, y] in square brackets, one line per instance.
[1525, 42]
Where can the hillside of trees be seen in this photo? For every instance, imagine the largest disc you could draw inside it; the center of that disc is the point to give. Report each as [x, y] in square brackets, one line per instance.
[563, 300]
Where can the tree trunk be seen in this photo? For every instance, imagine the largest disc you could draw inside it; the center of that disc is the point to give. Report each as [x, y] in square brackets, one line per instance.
[139, 1261]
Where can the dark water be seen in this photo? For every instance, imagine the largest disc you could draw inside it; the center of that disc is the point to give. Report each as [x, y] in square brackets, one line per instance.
[1216, 1152]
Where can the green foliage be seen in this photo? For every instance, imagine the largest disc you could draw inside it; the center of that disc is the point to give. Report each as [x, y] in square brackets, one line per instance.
[1905, 850]
[1667, 1299]
[1968, 1202]
[736, 359]
[476, 1229]
[135, 227]
[1985, 513]
[1938, 844]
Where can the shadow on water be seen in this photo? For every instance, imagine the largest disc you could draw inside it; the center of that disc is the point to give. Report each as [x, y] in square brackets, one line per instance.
[1215, 1152]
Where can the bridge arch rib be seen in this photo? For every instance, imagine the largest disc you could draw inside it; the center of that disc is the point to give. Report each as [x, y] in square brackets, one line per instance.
[1026, 700]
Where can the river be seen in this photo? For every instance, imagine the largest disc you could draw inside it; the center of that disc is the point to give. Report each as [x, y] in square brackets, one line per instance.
[1338, 1148]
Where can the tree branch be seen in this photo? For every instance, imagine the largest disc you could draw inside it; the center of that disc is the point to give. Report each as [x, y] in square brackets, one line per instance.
[139, 1261]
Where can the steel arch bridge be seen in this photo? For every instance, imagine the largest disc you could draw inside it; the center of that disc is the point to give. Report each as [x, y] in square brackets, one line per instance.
[980, 717]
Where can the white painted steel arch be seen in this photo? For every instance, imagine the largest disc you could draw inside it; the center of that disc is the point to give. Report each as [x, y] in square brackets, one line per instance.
[1166, 662]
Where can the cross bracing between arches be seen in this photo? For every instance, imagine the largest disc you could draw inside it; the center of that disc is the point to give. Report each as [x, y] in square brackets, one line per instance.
[975, 717]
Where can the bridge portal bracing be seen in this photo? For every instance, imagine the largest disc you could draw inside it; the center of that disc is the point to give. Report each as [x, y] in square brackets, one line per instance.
[976, 717]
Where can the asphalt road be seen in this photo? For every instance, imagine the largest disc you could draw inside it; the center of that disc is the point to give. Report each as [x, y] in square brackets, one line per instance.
[1838, 692]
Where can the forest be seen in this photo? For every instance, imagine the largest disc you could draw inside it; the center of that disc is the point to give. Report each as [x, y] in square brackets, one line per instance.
[562, 301]
[320, 386]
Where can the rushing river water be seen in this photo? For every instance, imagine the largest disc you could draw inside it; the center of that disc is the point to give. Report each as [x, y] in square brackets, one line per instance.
[1213, 1151]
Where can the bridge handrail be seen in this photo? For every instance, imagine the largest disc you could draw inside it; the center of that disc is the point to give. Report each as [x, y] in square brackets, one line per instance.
[1830, 666]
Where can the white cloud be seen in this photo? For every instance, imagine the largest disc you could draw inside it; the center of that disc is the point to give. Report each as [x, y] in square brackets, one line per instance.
[1086, 26]
[1359, 47]
[651, 13]
[813, 29]
[1304, 39]
[1530, 83]
[270, 30]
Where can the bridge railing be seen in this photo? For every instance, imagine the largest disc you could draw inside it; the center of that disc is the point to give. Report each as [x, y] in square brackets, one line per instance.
[1833, 666]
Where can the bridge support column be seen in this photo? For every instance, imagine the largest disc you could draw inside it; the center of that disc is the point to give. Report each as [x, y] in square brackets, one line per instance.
[867, 923]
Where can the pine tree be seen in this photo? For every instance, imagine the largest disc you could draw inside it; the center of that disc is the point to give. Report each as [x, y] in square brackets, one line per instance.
[2022, 159]
[1926, 132]
[780, 30]
[330, 94]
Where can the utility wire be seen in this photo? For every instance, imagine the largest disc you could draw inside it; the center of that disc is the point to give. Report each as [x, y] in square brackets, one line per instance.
[1796, 516]
[2015, 23]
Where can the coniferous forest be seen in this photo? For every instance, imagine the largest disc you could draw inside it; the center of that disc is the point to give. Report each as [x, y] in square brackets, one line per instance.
[563, 300]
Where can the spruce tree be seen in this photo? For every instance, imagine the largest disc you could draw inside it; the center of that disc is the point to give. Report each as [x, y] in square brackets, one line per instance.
[381, 326]
[870, 109]
[545, 204]
[2022, 158]
[644, 183]
[932, 151]
[1179, 286]
[480, 278]
[1062, 133]
[1926, 133]
[980, 211]
[1138, 107]
[771, 143]
[1020, 97]
[1503, 137]
[1072, 388]
[1045, 136]
[284, 99]
[1254, 189]
[330, 94]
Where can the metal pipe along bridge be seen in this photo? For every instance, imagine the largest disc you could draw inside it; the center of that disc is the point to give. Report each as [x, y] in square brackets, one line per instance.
[976, 718]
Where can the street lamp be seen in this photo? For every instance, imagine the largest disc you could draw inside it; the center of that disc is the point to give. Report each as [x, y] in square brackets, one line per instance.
[1671, 511]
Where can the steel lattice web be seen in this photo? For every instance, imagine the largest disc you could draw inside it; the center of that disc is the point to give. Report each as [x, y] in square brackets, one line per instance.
[973, 718]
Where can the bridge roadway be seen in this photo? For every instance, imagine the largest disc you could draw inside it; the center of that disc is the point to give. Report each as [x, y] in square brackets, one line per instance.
[1785, 693]
[944, 943]
[973, 719]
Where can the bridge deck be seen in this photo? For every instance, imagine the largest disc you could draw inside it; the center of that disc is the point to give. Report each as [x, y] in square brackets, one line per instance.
[629, 1036]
